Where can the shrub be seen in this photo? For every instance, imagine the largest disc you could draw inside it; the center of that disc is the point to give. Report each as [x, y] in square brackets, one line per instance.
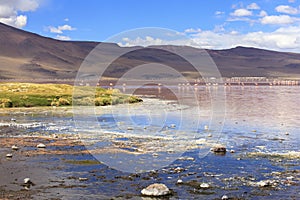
[5, 103]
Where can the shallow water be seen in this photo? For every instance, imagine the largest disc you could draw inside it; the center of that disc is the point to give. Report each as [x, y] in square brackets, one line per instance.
[165, 134]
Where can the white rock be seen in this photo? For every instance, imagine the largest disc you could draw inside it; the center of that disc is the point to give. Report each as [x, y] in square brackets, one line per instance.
[27, 180]
[179, 181]
[9, 155]
[206, 127]
[14, 147]
[83, 179]
[224, 197]
[41, 145]
[156, 189]
[204, 185]
[173, 125]
[263, 183]
[232, 151]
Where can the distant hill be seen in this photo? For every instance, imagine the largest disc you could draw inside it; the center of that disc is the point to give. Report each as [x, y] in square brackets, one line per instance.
[25, 55]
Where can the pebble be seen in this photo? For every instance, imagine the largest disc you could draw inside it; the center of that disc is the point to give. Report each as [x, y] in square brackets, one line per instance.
[232, 151]
[27, 180]
[206, 127]
[9, 155]
[82, 179]
[41, 145]
[286, 133]
[172, 125]
[224, 197]
[14, 147]
[156, 189]
[209, 135]
[219, 149]
[179, 181]
[204, 185]
[263, 183]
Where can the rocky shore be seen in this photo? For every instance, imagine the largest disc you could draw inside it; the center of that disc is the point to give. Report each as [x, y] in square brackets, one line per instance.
[64, 168]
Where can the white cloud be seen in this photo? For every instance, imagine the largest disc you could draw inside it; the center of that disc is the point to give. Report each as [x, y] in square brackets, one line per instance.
[263, 13]
[287, 9]
[292, 1]
[60, 29]
[219, 13]
[253, 6]
[278, 19]
[9, 11]
[21, 21]
[192, 30]
[63, 37]
[241, 13]
[282, 39]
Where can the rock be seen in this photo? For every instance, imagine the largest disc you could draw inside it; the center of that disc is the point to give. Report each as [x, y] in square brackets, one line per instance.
[232, 151]
[82, 179]
[286, 133]
[263, 183]
[156, 189]
[206, 128]
[172, 125]
[41, 145]
[9, 155]
[218, 149]
[27, 181]
[204, 185]
[155, 154]
[14, 147]
[209, 135]
[224, 197]
[179, 181]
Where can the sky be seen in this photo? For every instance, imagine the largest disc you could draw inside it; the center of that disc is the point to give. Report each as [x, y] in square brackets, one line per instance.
[213, 24]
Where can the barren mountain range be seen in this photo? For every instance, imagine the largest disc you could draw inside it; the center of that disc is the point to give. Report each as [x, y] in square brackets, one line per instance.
[28, 56]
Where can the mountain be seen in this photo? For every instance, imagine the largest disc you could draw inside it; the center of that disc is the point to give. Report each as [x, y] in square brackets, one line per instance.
[28, 56]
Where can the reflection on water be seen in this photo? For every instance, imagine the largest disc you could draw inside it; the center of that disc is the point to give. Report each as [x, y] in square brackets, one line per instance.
[254, 116]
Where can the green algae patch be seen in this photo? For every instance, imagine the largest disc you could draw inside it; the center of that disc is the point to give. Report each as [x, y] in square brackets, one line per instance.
[83, 162]
[33, 95]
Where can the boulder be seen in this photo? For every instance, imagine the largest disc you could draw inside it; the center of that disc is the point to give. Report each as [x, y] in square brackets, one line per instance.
[156, 189]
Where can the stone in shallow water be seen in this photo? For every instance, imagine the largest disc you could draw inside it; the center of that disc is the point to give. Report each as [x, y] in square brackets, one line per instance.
[263, 183]
[179, 181]
[9, 155]
[156, 189]
[27, 180]
[204, 185]
[224, 197]
[41, 145]
[218, 149]
[14, 147]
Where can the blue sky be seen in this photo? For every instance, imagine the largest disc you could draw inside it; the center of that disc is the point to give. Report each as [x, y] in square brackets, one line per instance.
[213, 24]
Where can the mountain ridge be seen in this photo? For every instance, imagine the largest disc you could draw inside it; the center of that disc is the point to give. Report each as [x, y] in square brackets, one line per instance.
[26, 55]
